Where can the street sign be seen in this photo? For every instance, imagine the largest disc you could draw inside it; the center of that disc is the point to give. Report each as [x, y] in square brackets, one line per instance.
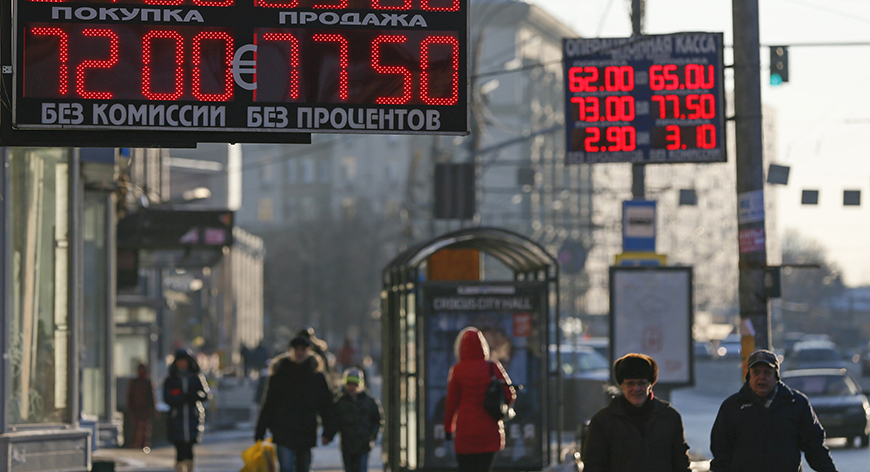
[251, 67]
[645, 99]
[639, 226]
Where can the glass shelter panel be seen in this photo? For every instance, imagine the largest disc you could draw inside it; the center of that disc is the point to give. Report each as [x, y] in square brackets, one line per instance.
[39, 322]
[512, 317]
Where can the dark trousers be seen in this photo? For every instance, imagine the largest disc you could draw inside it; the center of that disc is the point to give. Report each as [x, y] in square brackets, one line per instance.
[355, 462]
[294, 460]
[183, 451]
[475, 462]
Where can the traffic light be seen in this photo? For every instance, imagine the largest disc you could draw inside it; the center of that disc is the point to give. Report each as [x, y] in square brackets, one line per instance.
[778, 64]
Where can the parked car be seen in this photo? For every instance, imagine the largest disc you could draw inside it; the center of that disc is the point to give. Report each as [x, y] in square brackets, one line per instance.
[836, 397]
[586, 385]
[865, 360]
[815, 355]
[728, 348]
[703, 350]
[581, 361]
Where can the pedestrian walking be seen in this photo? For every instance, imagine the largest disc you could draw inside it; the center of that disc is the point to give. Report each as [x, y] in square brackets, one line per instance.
[358, 418]
[185, 390]
[765, 426]
[636, 431]
[296, 395]
[140, 408]
[478, 436]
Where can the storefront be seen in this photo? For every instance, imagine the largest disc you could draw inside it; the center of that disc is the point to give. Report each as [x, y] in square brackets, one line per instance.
[40, 228]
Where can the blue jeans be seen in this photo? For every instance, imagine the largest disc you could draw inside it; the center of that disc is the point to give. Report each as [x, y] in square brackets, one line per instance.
[293, 460]
[355, 462]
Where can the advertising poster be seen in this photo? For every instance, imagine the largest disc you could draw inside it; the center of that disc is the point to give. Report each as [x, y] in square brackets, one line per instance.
[651, 312]
[510, 317]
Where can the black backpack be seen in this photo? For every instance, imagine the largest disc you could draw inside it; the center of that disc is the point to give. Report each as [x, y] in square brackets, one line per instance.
[494, 403]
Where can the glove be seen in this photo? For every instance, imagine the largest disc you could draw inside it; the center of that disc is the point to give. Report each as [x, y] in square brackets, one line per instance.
[448, 436]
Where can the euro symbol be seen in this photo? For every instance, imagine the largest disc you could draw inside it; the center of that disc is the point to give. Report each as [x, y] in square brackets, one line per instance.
[244, 66]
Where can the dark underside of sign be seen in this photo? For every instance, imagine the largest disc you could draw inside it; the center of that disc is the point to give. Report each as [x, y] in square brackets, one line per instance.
[152, 139]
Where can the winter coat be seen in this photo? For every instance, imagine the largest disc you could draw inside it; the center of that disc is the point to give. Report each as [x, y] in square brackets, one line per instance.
[359, 419]
[296, 395]
[140, 398]
[747, 436]
[615, 444]
[185, 392]
[475, 430]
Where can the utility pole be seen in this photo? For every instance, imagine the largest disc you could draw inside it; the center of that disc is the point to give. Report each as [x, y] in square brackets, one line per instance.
[754, 316]
[638, 171]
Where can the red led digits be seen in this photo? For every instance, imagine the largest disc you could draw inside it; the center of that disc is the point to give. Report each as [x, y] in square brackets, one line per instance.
[92, 64]
[341, 4]
[406, 74]
[168, 3]
[424, 66]
[63, 54]
[673, 137]
[294, 60]
[426, 5]
[706, 136]
[228, 69]
[667, 77]
[578, 81]
[617, 139]
[619, 108]
[147, 41]
[342, 50]
[376, 4]
[702, 106]
[619, 78]
[696, 78]
[265, 4]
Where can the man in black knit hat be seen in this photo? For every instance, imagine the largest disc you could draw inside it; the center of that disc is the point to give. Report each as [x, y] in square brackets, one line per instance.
[765, 426]
[636, 431]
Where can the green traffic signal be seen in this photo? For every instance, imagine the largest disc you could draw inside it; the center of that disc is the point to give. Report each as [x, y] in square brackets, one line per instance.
[778, 65]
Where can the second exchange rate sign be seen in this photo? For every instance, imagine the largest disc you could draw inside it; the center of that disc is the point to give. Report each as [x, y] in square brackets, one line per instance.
[364, 66]
[648, 99]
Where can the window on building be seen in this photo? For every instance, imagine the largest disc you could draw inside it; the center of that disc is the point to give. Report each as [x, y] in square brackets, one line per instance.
[308, 209]
[267, 172]
[324, 170]
[265, 210]
[308, 170]
[348, 168]
[38, 332]
[290, 171]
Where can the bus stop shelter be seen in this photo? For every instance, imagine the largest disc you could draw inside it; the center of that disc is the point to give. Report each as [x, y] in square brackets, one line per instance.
[504, 284]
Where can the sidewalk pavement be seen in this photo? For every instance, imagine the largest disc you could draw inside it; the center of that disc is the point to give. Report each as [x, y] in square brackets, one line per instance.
[221, 451]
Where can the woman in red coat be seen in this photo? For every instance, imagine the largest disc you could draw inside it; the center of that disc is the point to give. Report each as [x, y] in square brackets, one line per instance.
[478, 436]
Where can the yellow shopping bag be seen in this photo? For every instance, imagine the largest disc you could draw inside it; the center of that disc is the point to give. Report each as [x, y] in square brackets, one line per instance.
[261, 457]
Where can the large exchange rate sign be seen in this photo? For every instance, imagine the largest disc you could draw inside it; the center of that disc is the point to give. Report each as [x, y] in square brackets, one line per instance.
[269, 66]
[646, 99]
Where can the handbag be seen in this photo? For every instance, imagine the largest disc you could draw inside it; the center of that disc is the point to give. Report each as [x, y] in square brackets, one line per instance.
[261, 457]
[494, 402]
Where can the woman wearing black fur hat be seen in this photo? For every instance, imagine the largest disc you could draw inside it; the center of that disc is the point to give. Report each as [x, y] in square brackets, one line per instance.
[636, 431]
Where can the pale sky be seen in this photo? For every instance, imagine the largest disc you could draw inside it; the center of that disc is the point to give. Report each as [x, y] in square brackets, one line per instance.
[823, 111]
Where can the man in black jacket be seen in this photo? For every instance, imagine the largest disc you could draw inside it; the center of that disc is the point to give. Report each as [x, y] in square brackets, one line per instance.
[765, 426]
[636, 431]
[296, 395]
